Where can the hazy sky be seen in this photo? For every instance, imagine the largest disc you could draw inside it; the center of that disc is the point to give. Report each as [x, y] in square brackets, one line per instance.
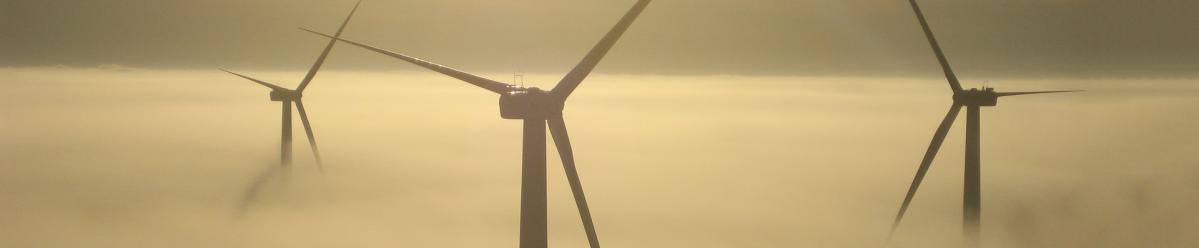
[984, 39]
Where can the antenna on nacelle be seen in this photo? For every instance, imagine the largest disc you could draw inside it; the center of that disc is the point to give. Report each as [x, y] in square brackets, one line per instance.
[519, 75]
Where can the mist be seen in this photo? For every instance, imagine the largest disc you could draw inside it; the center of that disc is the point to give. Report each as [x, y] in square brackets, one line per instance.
[120, 156]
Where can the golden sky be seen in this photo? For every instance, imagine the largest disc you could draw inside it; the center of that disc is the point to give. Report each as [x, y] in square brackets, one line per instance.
[991, 39]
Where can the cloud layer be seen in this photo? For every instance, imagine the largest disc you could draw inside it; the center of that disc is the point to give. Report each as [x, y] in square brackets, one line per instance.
[151, 158]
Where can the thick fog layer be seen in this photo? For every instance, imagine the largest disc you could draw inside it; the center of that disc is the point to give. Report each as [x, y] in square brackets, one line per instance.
[124, 157]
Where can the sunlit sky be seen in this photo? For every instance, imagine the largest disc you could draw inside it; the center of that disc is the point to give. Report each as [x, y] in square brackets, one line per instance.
[985, 39]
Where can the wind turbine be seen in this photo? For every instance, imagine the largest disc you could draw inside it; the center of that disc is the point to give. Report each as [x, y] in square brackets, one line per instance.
[537, 108]
[972, 99]
[287, 97]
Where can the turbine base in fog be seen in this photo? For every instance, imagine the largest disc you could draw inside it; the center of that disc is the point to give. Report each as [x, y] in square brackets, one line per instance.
[972, 99]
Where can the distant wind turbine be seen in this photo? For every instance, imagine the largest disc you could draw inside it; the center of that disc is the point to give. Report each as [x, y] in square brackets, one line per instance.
[537, 107]
[972, 99]
[287, 97]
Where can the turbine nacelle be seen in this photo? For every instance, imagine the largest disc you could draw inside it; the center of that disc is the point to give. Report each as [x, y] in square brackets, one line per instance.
[975, 97]
[529, 103]
[280, 95]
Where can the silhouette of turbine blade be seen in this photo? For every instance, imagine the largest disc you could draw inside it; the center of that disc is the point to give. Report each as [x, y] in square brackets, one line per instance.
[929, 155]
[1035, 92]
[250, 194]
[584, 68]
[311, 138]
[932, 41]
[263, 83]
[492, 85]
[324, 54]
[562, 141]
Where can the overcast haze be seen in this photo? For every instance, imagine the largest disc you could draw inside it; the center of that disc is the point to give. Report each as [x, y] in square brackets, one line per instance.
[135, 158]
[984, 39]
[712, 124]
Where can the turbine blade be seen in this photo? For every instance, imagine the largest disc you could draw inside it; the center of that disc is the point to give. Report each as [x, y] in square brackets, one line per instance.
[932, 41]
[933, 147]
[311, 138]
[1035, 92]
[250, 194]
[580, 72]
[263, 83]
[492, 85]
[562, 140]
[324, 54]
